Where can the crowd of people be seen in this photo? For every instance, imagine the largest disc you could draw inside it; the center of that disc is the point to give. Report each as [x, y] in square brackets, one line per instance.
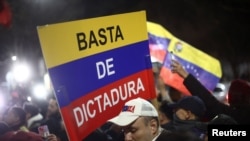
[26, 123]
[175, 118]
[182, 118]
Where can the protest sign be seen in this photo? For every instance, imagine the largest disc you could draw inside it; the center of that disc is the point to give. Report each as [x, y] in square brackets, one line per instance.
[95, 66]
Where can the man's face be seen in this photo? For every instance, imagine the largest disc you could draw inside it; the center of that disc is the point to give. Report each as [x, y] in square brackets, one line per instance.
[183, 114]
[139, 131]
[52, 107]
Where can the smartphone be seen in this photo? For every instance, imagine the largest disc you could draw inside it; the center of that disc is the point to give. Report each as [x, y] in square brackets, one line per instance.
[43, 131]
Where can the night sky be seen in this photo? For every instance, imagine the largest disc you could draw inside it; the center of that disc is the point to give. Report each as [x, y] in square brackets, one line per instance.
[219, 28]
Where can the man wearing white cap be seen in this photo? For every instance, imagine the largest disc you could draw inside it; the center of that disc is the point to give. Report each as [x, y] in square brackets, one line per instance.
[139, 121]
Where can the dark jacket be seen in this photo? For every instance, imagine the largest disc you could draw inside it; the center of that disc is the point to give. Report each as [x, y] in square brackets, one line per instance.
[54, 125]
[176, 136]
[164, 135]
[215, 107]
[195, 128]
[168, 126]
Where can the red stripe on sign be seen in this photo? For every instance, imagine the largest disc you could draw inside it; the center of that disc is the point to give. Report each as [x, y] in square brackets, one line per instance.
[92, 110]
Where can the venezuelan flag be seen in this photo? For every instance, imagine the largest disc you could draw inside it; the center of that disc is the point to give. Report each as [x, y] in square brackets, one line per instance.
[159, 40]
[204, 67]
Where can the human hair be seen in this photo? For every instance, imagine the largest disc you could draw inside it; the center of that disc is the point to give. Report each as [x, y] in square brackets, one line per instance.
[147, 119]
[166, 109]
[18, 111]
[30, 108]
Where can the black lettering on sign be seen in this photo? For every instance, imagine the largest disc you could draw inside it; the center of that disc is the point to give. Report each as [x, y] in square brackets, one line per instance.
[99, 38]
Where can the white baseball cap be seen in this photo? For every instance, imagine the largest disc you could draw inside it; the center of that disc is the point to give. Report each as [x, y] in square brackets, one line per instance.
[132, 110]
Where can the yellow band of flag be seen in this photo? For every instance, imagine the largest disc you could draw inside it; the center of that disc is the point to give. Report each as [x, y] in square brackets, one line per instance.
[195, 56]
[158, 30]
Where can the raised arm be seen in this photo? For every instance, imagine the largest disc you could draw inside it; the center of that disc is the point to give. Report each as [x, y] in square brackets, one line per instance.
[176, 67]
[196, 88]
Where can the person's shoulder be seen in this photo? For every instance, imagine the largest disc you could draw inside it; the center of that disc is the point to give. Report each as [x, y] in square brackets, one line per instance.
[176, 136]
[165, 131]
[168, 126]
[7, 136]
[26, 136]
[163, 135]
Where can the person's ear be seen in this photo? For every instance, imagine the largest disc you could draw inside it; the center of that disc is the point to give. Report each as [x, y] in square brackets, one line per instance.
[153, 126]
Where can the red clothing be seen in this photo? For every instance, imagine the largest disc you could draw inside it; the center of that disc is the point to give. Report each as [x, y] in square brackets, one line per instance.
[20, 136]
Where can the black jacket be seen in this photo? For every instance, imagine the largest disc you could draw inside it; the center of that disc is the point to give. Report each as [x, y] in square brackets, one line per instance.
[164, 135]
[215, 107]
[176, 136]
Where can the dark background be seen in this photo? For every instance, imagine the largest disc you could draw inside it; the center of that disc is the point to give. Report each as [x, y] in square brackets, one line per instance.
[219, 28]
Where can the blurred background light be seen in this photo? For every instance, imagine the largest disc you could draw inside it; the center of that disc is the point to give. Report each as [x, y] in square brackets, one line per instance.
[40, 91]
[29, 98]
[21, 72]
[14, 58]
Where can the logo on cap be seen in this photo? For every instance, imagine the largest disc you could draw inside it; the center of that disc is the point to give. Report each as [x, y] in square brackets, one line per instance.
[127, 108]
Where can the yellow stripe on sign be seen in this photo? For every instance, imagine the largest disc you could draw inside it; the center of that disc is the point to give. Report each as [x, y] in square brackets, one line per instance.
[69, 41]
[195, 56]
[158, 30]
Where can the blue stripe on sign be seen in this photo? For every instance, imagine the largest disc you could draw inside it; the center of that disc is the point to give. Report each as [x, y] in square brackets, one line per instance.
[74, 79]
